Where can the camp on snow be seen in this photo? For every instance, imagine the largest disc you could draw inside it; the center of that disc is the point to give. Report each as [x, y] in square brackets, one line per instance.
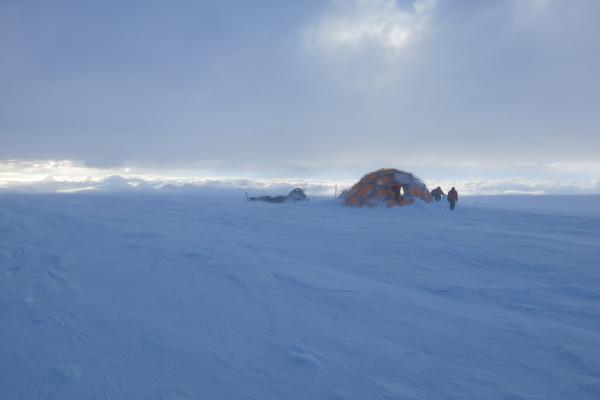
[387, 186]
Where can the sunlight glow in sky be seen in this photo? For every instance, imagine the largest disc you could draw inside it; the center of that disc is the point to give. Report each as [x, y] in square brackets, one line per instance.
[497, 96]
[67, 176]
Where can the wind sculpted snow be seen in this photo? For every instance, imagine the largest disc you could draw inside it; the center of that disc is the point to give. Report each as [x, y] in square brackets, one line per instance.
[207, 296]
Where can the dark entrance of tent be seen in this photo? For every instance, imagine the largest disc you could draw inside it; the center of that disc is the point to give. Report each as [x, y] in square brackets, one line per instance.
[401, 192]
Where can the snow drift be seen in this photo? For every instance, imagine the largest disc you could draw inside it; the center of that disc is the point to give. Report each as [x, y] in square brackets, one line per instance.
[206, 296]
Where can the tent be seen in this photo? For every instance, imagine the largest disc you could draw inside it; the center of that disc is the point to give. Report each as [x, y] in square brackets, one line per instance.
[387, 186]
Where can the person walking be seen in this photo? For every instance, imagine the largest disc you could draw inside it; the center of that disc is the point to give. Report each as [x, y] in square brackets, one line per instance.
[452, 197]
[437, 193]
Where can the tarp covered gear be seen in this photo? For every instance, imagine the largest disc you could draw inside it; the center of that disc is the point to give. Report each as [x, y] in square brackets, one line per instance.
[389, 186]
[295, 195]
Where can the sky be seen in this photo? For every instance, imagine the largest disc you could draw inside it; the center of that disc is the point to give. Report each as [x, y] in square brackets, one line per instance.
[498, 94]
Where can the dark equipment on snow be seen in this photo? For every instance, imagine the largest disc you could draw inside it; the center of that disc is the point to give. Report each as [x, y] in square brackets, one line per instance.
[295, 195]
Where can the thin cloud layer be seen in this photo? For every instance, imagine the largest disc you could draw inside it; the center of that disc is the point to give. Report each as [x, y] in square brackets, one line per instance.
[358, 23]
[318, 89]
[64, 176]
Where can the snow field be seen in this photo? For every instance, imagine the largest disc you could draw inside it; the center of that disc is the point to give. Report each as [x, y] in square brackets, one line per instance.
[124, 296]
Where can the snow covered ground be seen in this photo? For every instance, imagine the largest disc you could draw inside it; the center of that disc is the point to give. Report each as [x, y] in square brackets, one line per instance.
[205, 296]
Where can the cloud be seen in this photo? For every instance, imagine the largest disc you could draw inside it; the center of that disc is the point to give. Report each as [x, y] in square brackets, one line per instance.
[328, 82]
[50, 176]
[519, 185]
[584, 167]
[538, 5]
[69, 177]
[355, 24]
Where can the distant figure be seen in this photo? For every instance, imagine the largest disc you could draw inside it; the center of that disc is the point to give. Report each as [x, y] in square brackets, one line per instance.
[452, 197]
[437, 193]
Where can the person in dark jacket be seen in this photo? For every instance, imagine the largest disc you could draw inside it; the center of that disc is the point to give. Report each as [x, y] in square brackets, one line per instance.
[452, 197]
[437, 193]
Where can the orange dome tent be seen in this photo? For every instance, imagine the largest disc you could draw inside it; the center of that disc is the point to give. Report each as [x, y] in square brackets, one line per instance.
[389, 186]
